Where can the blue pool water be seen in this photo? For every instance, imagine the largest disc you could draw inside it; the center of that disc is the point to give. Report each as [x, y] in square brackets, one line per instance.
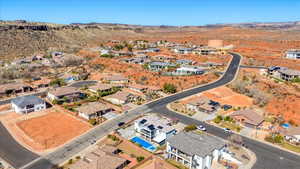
[285, 125]
[145, 144]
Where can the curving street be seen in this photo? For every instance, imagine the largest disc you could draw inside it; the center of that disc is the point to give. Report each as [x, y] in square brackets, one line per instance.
[268, 157]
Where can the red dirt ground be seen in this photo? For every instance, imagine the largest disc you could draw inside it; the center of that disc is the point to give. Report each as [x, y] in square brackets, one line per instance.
[52, 129]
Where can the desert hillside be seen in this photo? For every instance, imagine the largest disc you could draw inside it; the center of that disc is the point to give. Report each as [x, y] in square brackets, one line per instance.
[260, 43]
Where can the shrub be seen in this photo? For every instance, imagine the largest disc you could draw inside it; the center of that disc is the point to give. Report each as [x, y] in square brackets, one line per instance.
[140, 158]
[93, 122]
[169, 88]
[190, 128]
[107, 56]
[217, 120]
[70, 161]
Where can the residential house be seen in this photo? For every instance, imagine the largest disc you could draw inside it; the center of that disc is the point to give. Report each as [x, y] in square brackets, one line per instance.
[69, 93]
[158, 66]
[292, 134]
[93, 110]
[101, 87]
[14, 88]
[195, 151]
[122, 53]
[205, 51]
[41, 83]
[202, 105]
[154, 128]
[289, 74]
[248, 117]
[70, 77]
[182, 50]
[273, 70]
[189, 70]
[138, 87]
[136, 60]
[104, 157]
[119, 98]
[293, 54]
[152, 50]
[116, 79]
[184, 62]
[27, 104]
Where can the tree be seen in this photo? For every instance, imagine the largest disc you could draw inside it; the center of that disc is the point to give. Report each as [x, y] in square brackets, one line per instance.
[107, 56]
[140, 158]
[169, 88]
[58, 82]
[190, 127]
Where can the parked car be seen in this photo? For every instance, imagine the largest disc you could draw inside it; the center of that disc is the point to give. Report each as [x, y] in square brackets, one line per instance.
[202, 128]
[93, 141]
[227, 130]
[121, 124]
[226, 107]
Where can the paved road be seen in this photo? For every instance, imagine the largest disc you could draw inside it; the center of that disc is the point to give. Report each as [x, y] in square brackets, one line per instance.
[253, 67]
[80, 143]
[268, 157]
[11, 151]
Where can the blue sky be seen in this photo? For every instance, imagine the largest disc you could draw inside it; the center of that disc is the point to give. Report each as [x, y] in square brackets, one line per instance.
[151, 12]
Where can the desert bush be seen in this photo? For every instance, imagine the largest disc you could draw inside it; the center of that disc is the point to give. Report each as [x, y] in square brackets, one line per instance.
[169, 88]
[140, 158]
[190, 127]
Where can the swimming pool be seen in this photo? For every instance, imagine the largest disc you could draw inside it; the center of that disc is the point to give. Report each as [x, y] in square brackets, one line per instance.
[145, 144]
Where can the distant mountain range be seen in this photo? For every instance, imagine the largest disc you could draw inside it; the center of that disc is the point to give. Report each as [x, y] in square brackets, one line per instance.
[262, 25]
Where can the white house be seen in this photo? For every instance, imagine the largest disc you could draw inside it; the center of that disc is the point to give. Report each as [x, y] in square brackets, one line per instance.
[292, 134]
[28, 104]
[189, 70]
[181, 50]
[293, 54]
[194, 150]
[154, 128]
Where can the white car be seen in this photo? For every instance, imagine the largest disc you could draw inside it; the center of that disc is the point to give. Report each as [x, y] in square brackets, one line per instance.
[202, 128]
[227, 130]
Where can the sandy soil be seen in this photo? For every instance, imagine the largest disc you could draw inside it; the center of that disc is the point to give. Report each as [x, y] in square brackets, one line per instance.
[225, 95]
[44, 130]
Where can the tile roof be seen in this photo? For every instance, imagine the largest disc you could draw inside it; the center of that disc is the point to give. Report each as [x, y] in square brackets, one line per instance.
[120, 95]
[292, 131]
[64, 91]
[251, 116]
[92, 108]
[101, 86]
[12, 86]
[99, 159]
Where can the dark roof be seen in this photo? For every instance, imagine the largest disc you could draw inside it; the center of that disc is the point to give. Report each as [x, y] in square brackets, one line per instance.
[27, 100]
